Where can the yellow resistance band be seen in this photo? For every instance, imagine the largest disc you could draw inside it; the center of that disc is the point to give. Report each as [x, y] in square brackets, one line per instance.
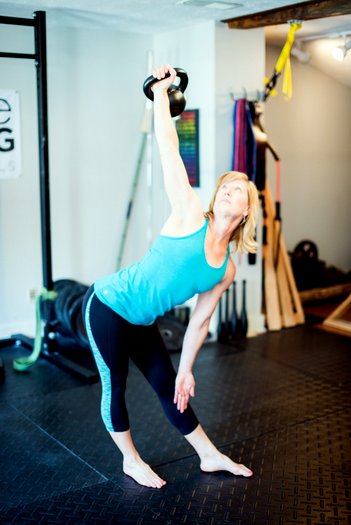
[284, 61]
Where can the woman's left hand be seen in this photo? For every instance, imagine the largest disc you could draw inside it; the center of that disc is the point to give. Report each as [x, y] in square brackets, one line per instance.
[184, 388]
[164, 82]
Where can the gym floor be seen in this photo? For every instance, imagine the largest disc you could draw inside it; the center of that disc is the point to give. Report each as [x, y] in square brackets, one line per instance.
[279, 402]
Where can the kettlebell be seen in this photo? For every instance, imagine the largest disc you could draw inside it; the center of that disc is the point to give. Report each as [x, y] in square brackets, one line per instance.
[176, 95]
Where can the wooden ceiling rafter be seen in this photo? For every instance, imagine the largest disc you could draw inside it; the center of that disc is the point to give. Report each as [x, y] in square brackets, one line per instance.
[301, 11]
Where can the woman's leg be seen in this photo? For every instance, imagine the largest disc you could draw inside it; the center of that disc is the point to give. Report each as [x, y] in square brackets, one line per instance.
[133, 465]
[211, 459]
[152, 358]
[110, 336]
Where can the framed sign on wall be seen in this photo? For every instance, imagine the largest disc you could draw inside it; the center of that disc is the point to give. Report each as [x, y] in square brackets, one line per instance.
[10, 135]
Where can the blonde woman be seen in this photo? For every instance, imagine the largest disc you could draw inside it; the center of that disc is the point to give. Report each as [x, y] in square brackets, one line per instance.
[190, 256]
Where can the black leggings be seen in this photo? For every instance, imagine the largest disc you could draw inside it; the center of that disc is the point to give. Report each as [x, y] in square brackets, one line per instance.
[113, 340]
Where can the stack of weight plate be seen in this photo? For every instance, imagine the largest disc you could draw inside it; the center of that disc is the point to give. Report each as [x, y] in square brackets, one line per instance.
[68, 310]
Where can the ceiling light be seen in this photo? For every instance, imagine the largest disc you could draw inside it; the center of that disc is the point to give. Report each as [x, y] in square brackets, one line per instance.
[222, 5]
[340, 52]
[215, 4]
[302, 56]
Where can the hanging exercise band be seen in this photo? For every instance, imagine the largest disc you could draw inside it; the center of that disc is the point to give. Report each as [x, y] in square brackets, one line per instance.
[283, 62]
[23, 363]
[244, 143]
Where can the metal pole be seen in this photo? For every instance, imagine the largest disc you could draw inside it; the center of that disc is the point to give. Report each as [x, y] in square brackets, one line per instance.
[17, 55]
[16, 21]
[40, 51]
[50, 345]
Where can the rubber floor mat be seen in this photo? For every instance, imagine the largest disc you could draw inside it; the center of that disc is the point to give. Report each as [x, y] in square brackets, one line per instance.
[280, 403]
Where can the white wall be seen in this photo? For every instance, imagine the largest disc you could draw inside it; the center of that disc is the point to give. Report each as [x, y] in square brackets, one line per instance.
[20, 249]
[225, 62]
[311, 133]
[240, 61]
[95, 110]
[96, 107]
[181, 48]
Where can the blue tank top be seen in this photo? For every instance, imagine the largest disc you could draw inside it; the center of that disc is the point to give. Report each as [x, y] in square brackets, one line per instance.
[173, 271]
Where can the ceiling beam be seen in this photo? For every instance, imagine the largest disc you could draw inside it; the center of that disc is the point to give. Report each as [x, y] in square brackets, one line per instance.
[301, 11]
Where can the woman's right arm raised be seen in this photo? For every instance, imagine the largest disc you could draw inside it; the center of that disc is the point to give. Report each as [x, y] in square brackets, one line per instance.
[180, 194]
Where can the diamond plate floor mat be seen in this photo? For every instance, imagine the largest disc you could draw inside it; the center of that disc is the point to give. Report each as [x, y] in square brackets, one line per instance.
[279, 403]
[238, 397]
[40, 379]
[293, 483]
[96, 505]
[309, 350]
[33, 464]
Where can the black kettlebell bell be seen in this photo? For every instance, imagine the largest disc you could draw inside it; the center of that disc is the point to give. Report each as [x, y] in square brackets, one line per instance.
[176, 95]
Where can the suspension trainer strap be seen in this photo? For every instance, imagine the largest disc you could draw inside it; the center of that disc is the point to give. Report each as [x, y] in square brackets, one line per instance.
[283, 62]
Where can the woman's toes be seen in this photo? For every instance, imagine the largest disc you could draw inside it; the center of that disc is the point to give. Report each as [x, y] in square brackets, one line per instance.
[143, 474]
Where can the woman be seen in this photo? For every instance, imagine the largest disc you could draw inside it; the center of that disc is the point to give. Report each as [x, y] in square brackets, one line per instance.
[190, 256]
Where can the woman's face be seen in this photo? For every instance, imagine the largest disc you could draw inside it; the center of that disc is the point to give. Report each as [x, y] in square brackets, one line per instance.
[232, 198]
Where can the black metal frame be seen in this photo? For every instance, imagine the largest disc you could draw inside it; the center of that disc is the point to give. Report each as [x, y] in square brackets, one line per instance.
[50, 339]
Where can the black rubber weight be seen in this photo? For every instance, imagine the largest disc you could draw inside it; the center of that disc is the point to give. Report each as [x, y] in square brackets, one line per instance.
[77, 293]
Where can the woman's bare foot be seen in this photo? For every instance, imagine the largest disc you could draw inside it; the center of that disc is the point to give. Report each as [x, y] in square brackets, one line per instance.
[218, 461]
[140, 471]
[133, 465]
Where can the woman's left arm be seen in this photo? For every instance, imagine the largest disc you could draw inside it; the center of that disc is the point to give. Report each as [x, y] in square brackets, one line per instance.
[195, 335]
[183, 199]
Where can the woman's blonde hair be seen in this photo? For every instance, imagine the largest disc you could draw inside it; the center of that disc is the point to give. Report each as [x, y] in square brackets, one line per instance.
[244, 235]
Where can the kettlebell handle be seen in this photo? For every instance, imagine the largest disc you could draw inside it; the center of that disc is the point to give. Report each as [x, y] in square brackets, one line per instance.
[150, 81]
